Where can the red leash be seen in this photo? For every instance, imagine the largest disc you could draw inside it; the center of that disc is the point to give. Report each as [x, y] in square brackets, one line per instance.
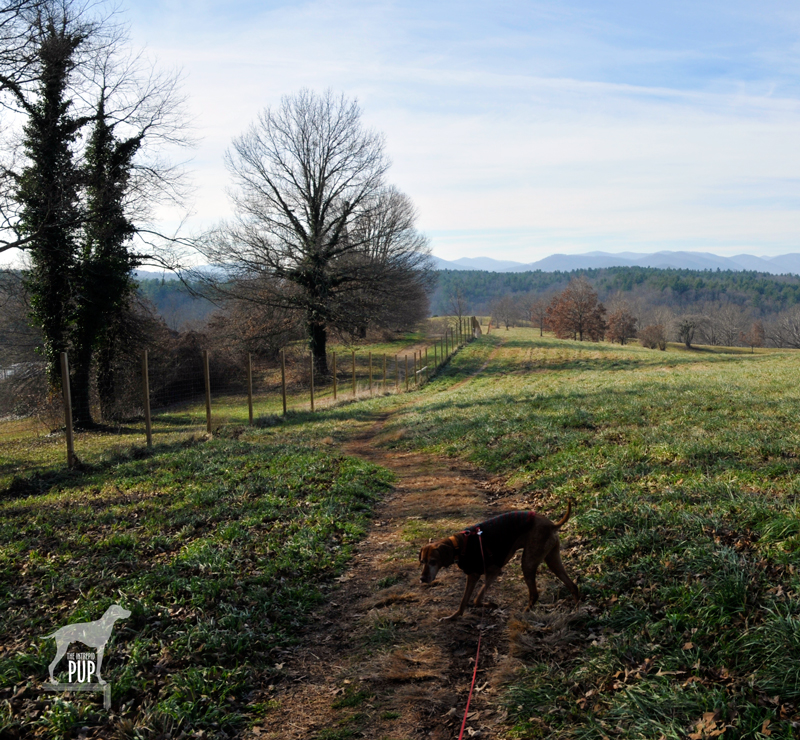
[477, 654]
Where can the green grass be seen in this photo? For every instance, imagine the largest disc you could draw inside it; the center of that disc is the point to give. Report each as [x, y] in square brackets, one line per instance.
[219, 550]
[686, 470]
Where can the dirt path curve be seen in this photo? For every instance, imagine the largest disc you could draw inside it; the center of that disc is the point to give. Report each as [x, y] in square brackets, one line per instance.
[377, 662]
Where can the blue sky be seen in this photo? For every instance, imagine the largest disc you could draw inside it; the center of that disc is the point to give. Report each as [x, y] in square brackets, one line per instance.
[521, 129]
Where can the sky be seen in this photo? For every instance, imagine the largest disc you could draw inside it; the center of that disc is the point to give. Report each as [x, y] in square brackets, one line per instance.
[522, 129]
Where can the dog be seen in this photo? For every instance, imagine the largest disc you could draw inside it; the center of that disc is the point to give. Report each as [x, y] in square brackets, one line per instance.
[485, 548]
[92, 634]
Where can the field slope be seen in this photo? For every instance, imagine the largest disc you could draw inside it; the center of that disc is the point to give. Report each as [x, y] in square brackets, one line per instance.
[685, 471]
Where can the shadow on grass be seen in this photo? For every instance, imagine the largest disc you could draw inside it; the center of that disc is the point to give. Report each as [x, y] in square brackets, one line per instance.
[40, 480]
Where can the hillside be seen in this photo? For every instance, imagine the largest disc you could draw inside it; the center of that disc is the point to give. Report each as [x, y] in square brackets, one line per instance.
[274, 587]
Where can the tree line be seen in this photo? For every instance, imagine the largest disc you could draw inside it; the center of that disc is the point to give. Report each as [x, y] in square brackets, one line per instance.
[576, 312]
[679, 290]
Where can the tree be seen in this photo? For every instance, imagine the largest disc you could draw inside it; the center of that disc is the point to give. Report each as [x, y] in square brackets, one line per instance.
[315, 217]
[576, 312]
[78, 196]
[621, 325]
[47, 188]
[505, 311]
[687, 326]
[538, 314]
[457, 300]
[756, 336]
[652, 337]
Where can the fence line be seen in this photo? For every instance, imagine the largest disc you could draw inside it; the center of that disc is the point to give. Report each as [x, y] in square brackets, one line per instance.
[411, 371]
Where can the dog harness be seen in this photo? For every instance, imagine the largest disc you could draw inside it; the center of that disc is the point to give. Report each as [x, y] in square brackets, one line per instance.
[498, 533]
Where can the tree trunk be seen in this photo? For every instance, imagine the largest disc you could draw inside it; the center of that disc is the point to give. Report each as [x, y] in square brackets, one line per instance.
[106, 380]
[318, 343]
[80, 382]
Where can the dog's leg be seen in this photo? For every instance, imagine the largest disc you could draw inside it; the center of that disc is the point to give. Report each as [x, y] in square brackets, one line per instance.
[472, 579]
[529, 573]
[61, 649]
[489, 578]
[553, 561]
[100, 650]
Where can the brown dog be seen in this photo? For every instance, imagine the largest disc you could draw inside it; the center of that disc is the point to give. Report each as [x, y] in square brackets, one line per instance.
[486, 547]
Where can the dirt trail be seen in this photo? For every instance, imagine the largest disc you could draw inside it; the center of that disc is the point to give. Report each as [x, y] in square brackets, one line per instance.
[377, 662]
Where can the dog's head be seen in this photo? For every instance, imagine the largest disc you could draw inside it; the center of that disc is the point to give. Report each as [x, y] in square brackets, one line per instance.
[434, 556]
[115, 611]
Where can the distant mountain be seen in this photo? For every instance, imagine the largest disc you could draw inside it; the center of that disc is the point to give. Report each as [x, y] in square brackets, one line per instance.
[476, 263]
[785, 264]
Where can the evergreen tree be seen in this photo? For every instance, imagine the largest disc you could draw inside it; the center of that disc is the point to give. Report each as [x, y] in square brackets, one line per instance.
[48, 187]
[104, 270]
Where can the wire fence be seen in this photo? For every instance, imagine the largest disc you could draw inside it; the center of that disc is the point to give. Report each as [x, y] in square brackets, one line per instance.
[165, 400]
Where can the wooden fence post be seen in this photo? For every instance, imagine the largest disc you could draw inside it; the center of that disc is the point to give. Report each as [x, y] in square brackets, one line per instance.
[396, 375]
[384, 372]
[312, 381]
[67, 409]
[207, 376]
[370, 373]
[354, 373]
[334, 376]
[283, 379]
[148, 427]
[250, 387]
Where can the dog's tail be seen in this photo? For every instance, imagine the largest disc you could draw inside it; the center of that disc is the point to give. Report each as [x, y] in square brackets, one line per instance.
[564, 518]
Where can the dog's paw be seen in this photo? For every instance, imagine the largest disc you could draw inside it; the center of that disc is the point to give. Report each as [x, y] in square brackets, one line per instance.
[451, 618]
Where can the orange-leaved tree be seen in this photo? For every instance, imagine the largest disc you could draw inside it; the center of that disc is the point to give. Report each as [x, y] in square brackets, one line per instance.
[621, 325]
[575, 312]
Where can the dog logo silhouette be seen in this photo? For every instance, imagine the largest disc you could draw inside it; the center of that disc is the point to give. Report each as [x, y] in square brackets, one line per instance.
[92, 634]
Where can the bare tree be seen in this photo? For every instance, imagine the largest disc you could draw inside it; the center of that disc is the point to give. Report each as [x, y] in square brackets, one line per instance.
[315, 217]
[505, 311]
[535, 307]
[730, 321]
[457, 300]
[785, 332]
[687, 327]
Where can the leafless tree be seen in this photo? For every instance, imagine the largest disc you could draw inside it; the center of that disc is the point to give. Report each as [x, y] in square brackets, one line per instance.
[505, 310]
[535, 308]
[688, 326]
[785, 332]
[315, 218]
[730, 321]
[457, 301]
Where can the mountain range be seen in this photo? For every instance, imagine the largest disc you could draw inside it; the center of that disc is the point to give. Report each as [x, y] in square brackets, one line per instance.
[784, 264]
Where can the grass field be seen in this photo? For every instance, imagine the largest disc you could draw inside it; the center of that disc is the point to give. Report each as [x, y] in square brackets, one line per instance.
[684, 466]
[686, 470]
[218, 548]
